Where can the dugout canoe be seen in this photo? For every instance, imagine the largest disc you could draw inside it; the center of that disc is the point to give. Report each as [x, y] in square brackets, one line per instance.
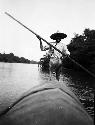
[50, 103]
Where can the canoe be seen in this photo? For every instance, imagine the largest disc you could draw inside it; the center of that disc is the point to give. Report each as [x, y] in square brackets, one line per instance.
[50, 103]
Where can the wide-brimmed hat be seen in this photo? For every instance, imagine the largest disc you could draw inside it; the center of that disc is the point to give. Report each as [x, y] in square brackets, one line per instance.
[58, 35]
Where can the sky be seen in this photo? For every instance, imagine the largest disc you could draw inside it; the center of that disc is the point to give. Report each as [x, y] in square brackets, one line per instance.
[44, 17]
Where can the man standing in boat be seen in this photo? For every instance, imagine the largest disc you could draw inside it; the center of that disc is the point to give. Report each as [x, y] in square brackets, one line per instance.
[55, 57]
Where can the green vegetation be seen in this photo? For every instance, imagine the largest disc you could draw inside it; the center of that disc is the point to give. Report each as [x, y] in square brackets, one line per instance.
[11, 58]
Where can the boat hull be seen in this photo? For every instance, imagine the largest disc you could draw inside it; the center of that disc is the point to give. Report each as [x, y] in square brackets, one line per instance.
[48, 104]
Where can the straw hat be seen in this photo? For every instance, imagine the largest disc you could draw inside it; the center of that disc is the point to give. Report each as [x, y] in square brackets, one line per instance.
[58, 35]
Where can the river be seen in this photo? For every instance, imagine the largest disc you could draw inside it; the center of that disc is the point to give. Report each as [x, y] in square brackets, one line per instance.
[17, 78]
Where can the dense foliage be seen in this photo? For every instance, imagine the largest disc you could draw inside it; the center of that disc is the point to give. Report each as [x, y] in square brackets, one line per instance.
[82, 48]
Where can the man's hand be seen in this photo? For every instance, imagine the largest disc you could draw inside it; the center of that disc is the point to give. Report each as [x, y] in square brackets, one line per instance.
[38, 37]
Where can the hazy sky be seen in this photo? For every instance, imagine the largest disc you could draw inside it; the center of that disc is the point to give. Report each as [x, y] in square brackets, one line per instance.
[44, 17]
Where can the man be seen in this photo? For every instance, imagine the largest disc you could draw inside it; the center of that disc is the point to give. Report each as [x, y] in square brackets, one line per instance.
[55, 62]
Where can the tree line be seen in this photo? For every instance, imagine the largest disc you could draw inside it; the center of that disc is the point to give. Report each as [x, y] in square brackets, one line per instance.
[11, 58]
[82, 48]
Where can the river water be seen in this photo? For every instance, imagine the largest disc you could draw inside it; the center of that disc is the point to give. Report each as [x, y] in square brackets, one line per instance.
[15, 79]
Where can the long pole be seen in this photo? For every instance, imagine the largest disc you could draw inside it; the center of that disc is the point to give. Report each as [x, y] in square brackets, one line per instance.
[92, 74]
[33, 32]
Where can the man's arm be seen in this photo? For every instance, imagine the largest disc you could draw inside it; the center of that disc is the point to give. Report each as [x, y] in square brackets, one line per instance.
[41, 45]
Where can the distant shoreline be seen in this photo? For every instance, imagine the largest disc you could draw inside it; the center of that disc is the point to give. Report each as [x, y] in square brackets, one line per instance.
[11, 58]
